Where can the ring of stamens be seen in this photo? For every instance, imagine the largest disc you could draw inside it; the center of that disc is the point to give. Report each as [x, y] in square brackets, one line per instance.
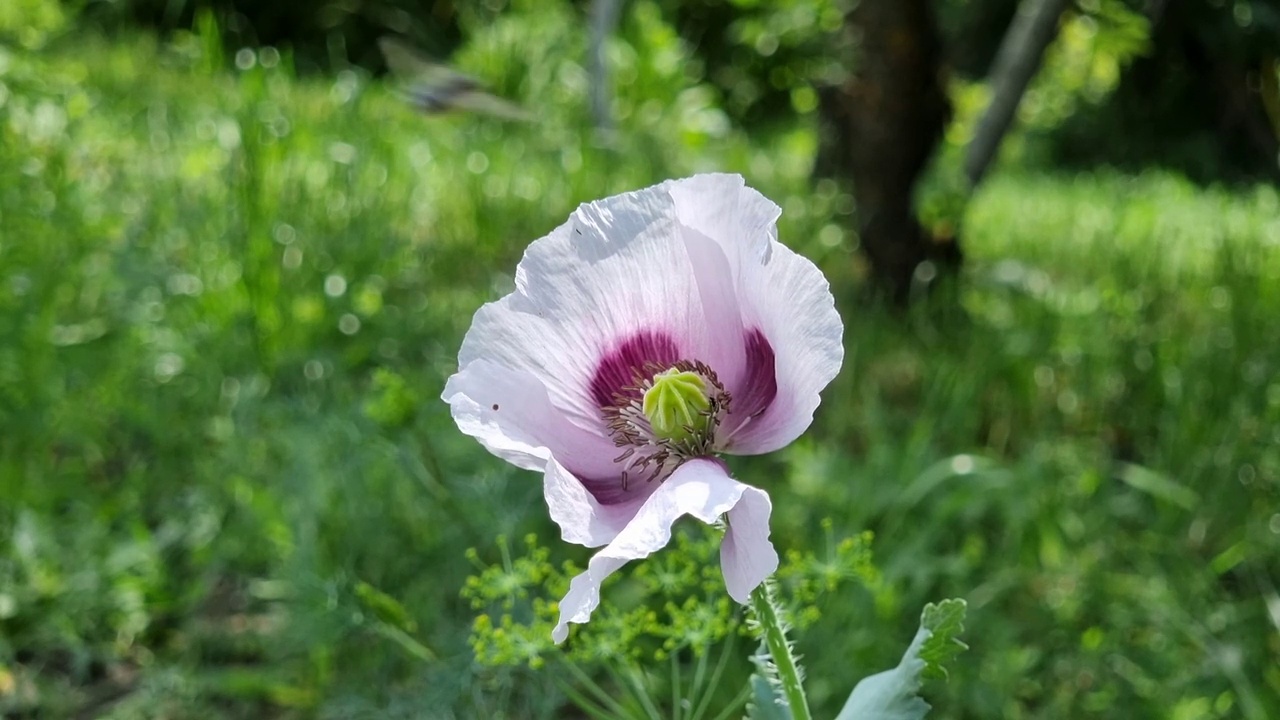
[629, 427]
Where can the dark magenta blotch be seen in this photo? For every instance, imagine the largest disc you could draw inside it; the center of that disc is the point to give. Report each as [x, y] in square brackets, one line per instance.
[617, 369]
[616, 375]
[610, 490]
[759, 384]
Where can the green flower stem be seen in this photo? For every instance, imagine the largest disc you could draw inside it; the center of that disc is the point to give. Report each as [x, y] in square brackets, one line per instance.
[767, 613]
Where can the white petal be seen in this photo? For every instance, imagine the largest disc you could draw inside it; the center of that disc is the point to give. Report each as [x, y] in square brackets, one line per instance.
[723, 208]
[509, 412]
[583, 520]
[703, 489]
[779, 293]
[722, 349]
[746, 555]
[791, 304]
[615, 269]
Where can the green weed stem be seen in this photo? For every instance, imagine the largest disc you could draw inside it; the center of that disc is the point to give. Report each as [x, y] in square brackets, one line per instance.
[768, 616]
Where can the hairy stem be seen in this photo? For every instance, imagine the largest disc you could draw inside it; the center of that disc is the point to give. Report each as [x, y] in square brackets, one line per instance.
[768, 615]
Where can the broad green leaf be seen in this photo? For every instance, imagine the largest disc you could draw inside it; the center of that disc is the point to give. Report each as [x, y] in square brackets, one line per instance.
[894, 694]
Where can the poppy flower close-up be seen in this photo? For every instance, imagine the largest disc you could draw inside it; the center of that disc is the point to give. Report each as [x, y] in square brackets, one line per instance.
[647, 335]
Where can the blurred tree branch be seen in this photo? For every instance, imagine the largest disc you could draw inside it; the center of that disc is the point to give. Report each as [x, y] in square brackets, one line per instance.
[1016, 63]
[604, 17]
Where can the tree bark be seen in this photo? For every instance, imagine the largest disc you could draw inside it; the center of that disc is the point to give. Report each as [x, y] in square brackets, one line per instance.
[880, 130]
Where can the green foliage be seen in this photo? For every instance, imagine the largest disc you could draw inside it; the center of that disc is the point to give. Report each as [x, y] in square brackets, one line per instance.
[1191, 101]
[1082, 69]
[763, 58]
[30, 24]
[766, 701]
[229, 299]
[1110, 321]
[807, 576]
[393, 401]
[945, 622]
[895, 694]
[670, 610]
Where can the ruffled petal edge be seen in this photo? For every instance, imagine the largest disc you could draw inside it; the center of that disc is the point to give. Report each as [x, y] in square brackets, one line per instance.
[701, 488]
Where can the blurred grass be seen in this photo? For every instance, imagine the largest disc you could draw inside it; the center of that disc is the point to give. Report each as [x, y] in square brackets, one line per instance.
[229, 300]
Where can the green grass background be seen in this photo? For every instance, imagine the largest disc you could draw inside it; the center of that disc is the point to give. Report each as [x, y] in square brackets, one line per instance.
[229, 300]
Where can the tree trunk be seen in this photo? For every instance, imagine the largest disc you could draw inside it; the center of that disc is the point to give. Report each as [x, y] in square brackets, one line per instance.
[881, 128]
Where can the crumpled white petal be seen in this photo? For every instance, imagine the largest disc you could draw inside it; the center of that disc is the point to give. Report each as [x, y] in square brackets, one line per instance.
[782, 294]
[703, 489]
[793, 306]
[614, 269]
[746, 555]
[509, 412]
[582, 519]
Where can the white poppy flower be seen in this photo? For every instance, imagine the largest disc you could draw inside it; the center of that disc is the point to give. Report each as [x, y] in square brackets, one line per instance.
[650, 332]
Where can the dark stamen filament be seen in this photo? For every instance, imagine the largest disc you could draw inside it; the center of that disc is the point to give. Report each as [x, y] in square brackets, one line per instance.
[629, 428]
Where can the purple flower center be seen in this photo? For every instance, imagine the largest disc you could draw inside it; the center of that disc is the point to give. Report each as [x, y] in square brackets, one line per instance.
[626, 372]
[617, 369]
[648, 453]
[759, 385]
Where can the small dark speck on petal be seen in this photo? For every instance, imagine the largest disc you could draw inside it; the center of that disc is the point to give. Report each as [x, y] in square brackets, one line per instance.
[577, 231]
[495, 406]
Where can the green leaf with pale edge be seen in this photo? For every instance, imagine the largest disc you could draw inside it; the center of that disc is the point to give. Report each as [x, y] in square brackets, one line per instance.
[945, 622]
[766, 701]
[895, 694]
